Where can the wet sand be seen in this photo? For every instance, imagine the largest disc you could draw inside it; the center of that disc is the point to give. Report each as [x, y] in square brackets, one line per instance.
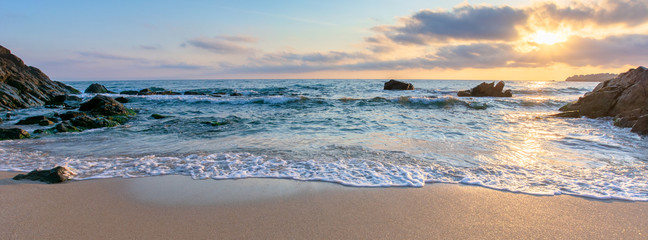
[177, 207]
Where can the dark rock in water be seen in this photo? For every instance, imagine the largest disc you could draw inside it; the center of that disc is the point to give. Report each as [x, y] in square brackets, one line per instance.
[121, 99]
[35, 120]
[641, 126]
[66, 126]
[397, 85]
[570, 114]
[486, 90]
[55, 175]
[63, 100]
[23, 86]
[624, 97]
[129, 92]
[13, 133]
[71, 114]
[45, 123]
[158, 116]
[235, 94]
[90, 123]
[194, 93]
[156, 91]
[96, 88]
[103, 105]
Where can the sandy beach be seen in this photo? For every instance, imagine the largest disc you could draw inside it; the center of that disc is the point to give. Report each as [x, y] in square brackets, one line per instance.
[176, 207]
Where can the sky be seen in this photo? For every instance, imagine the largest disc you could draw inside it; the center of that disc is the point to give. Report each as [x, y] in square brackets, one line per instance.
[334, 39]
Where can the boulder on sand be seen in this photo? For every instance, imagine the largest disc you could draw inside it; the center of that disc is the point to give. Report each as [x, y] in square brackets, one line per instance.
[625, 98]
[398, 85]
[55, 175]
[486, 90]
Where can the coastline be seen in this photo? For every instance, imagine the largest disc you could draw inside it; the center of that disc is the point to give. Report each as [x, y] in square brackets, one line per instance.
[172, 207]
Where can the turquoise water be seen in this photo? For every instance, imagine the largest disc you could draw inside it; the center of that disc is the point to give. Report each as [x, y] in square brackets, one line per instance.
[354, 133]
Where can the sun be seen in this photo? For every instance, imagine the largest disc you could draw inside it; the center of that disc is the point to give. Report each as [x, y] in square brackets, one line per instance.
[543, 37]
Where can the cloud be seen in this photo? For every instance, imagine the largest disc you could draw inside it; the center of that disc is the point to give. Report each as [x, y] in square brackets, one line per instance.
[149, 47]
[223, 44]
[464, 22]
[107, 56]
[316, 57]
[181, 66]
[627, 12]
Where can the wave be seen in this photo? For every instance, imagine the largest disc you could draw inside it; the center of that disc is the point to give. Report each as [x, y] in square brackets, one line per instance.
[620, 182]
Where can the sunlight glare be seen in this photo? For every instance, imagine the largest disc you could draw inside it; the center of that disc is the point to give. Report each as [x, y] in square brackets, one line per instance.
[543, 37]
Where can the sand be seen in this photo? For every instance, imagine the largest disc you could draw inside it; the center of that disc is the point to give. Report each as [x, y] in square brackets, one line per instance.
[177, 207]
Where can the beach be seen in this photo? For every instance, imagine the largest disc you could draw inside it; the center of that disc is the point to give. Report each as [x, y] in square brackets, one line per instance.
[178, 207]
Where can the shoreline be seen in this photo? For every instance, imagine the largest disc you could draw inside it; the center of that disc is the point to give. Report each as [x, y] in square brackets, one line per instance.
[171, 207]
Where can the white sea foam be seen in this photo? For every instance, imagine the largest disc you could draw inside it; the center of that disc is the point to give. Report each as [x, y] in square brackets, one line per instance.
[629, 183]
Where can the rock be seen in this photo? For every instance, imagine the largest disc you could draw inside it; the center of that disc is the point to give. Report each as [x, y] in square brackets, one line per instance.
[486, 90]
[66, 126]
[641, 126]
[158, 116]
[129, 92]
[71, 114]
[90, 123]
[398, 85]
[103, 105]
[194, 93]
[121, 99]
[569, 114]
[55, 175]
[35, 120]
[13, 133]
[45, 123]
[63, 99]
[156, 91]
[626, 93]
[96, 88]
[23, 86]
[625, 98]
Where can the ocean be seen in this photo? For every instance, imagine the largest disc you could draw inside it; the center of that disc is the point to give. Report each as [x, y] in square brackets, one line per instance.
[353, 133]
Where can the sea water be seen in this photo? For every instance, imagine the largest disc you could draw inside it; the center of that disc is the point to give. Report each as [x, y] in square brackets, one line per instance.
[351, 132]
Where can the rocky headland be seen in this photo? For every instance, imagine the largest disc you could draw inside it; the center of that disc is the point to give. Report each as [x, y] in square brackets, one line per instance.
[598, 77]
[23, 86]
[625, 98]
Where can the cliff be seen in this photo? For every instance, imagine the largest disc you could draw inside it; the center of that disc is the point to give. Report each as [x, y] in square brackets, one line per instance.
[23, 86]
[599, 77]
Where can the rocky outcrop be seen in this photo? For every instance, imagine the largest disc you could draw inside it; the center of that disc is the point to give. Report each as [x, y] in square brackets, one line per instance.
[486, 90]
[598, 77]
[23, 86]
[96, 88]
[36, 120]
[102, 105]
[55, 175]
[13, 133]
[398, 85]
[625, 98]
[67, 101]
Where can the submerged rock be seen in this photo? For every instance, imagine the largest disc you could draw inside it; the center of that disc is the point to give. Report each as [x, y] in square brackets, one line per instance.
[23, 86]
[35, 120]
[13, 133]
[55, 175]
[486, 90]
[121, 99]
[71, 114]
[158, 116]
[96, 88]
[129, 92]
[569, 114]
[103, 105]
[67, 101]
[397, 85]
[625, 98]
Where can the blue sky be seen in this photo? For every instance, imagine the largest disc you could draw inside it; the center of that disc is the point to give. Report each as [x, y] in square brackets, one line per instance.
[97, 40]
